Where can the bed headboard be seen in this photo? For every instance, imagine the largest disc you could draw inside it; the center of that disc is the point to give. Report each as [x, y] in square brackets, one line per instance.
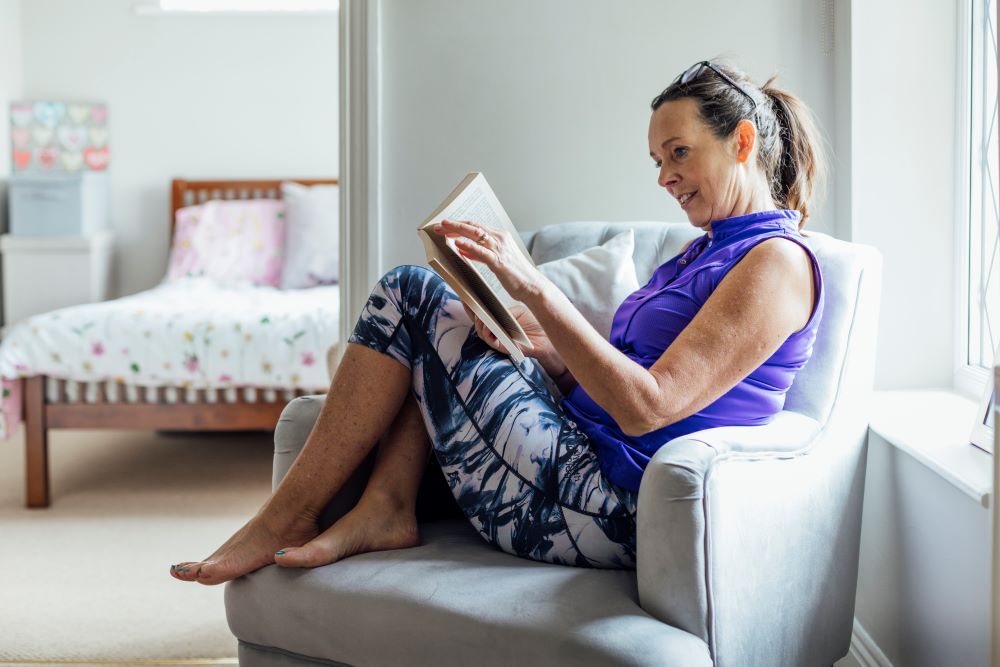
[188, 193]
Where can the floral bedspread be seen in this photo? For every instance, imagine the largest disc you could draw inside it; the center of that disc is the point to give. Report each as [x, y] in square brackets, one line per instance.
[190, 333]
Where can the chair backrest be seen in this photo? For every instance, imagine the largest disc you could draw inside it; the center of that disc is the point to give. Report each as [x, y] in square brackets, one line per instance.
[851, 277]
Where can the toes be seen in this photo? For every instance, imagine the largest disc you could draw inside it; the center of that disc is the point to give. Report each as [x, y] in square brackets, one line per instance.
[287, 557]
[191, 571]
[306, 556]
[186, 571]
[211, 573]
[204, 572]
[290, 557]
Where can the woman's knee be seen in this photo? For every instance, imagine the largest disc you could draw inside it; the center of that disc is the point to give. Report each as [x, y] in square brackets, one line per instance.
[411, 281]
[407, 272]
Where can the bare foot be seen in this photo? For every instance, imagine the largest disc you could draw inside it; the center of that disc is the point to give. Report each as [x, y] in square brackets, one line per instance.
[249, 549]
[370, 526]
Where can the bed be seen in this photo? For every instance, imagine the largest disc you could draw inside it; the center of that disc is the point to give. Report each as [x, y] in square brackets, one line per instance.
[212, 399]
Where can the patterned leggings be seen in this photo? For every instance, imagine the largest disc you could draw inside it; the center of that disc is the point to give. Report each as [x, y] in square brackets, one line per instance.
[521, 471]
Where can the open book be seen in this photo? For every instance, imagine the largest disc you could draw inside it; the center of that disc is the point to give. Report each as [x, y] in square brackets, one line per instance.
[477, 286]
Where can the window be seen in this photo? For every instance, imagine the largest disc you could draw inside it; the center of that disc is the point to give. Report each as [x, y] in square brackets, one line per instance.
[982, 326]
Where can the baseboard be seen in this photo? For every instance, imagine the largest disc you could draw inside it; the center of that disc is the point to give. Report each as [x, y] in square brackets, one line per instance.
[864, 649]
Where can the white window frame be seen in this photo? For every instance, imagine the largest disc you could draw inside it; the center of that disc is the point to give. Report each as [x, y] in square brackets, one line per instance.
[225, 7]
[968, 379]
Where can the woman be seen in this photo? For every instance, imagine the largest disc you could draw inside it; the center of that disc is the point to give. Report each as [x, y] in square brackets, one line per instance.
[714, 338]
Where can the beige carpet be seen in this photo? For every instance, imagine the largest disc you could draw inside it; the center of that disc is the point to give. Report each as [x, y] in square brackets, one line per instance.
[87, 579]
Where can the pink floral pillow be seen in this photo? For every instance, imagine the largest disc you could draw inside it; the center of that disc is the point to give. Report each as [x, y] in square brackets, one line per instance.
[230, 241]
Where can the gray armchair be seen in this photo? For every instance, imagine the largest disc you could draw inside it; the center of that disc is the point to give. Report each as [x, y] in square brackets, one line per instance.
[747, 536]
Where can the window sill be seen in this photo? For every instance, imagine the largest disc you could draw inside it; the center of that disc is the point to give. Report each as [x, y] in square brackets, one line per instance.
[933, 426]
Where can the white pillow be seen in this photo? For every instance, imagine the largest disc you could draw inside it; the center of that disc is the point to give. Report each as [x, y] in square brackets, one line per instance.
[312, 237]
[598, 279]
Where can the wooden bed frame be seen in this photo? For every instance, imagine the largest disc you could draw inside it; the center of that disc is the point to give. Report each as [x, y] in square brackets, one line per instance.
[40, 414]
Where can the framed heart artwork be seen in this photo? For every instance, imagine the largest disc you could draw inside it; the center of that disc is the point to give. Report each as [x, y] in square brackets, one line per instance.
[52, 136]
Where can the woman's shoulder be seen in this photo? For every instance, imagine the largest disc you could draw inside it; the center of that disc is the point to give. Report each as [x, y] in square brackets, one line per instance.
[788, 254]
[793, 264]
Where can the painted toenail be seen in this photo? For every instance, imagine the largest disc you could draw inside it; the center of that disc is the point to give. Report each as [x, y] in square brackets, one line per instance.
[279, 553]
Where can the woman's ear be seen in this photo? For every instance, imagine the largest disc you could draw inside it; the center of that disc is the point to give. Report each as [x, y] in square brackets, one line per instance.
[746, 136]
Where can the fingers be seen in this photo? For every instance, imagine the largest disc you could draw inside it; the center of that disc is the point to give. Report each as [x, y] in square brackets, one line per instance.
[482, 331]
[478, 234]
[467, 228]
[489, 338]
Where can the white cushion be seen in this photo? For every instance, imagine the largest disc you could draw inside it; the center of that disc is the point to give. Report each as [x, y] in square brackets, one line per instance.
[312, 241]
[598, 279]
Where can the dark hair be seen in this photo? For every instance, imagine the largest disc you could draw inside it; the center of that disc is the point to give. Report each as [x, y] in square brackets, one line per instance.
[790, 147]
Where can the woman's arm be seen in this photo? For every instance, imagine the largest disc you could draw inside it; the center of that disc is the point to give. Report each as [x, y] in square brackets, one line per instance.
[613, 380]
[762, 300]
[566, 382]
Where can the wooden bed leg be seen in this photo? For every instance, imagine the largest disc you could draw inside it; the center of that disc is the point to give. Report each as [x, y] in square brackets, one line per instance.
[36, 444]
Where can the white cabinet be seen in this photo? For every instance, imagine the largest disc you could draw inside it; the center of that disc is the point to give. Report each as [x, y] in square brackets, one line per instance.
[45, 273]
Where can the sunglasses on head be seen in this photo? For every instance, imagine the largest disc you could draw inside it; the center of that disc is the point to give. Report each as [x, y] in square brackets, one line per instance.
[692, 73]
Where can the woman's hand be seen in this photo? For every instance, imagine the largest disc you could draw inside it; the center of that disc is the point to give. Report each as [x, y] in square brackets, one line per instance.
[499, 252]
[542, 348]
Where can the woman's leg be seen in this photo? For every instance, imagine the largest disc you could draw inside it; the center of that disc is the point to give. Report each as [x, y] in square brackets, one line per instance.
[385, 516]
[366, 393]
[521, 471]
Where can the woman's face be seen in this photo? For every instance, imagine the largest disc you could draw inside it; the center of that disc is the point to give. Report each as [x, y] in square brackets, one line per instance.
[693, 160]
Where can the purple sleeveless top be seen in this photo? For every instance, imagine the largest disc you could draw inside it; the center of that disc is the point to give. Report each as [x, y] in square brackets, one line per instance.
[649, 320]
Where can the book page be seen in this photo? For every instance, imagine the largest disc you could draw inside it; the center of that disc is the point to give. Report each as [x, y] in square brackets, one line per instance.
[478, 203]
[478, 308]
[473, 200]
[473, 289]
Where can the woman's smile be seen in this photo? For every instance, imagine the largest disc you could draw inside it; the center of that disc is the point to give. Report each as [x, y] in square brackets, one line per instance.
[685, 199]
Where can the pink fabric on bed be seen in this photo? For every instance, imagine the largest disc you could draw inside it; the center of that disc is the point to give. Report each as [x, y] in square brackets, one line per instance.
[230, 241]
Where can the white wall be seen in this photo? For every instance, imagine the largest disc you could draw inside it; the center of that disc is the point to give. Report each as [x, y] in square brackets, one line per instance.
[191, 97]
[10, 89]
[923, 586]
[905, 78]
[10, 86]
[550, 99]
[924, 575]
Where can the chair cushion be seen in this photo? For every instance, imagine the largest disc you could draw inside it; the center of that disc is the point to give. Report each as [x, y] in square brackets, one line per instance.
[454, 600]
[655, 242]
[597, 280]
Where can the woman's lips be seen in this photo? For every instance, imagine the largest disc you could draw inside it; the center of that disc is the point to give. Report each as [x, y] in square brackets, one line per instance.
[685, 204]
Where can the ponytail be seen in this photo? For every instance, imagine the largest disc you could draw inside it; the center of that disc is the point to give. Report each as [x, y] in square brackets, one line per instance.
[796, 162]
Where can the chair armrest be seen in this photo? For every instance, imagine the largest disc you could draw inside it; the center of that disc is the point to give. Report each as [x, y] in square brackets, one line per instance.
[738, 538]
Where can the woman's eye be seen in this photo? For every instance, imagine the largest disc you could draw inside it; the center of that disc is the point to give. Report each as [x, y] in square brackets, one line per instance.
[657, 164]
[677, 151]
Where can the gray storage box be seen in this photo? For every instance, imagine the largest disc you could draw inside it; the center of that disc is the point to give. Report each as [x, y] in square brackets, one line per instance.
[58, 204]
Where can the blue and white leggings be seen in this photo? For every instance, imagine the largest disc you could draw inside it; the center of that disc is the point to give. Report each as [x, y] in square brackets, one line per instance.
[521, 471]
